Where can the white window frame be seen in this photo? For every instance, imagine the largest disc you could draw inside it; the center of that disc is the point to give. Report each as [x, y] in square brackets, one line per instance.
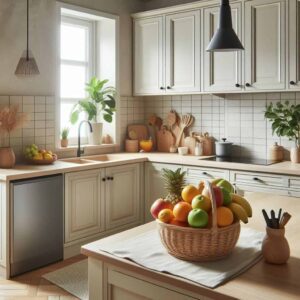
[89, 63]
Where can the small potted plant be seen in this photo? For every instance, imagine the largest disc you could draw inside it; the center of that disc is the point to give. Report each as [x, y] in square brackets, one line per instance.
[10, 120]
[64, 137]
[99, 105]
[285, 118]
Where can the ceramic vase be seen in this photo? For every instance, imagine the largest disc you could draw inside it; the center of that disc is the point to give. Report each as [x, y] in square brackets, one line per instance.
[7, 158]
[295, 155]
[275, 247]
[95, 137]
[64, 143]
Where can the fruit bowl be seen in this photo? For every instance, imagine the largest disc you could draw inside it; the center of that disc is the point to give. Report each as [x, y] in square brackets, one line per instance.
[200, 244]
[43, 161]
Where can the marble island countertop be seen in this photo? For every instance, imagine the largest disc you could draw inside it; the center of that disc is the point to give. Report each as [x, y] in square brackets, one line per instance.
[66, 165]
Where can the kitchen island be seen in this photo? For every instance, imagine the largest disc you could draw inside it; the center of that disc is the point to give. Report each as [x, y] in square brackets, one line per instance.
[111, 277]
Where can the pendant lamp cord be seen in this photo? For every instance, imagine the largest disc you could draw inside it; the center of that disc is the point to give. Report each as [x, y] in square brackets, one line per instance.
[27, 50]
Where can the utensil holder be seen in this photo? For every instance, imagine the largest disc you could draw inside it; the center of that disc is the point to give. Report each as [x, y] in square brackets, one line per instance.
[275, 247]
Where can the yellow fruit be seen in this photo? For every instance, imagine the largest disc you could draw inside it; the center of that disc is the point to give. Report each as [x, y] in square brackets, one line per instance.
[201, 186]
[38, 156]
[48, 156]
[189, 192]
[243, 202]
[224, 216]
[165, 215]
[239, 212]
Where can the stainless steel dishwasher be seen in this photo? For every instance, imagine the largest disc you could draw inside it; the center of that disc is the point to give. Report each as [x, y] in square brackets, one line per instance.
[36, 223]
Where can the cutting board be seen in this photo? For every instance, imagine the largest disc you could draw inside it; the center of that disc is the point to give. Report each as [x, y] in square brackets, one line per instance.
[141, 131]
[165, 140]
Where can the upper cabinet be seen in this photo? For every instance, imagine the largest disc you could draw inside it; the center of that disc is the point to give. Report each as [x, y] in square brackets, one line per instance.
[294, 42]
[149, 56]
[222, 71]
[183, 52]
[265, 43]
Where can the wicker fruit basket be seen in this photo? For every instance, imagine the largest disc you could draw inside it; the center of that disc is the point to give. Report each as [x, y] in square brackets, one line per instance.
[194, 244]
[43, 161]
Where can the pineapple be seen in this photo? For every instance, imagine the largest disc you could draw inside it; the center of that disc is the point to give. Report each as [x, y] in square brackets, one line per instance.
[174, 183]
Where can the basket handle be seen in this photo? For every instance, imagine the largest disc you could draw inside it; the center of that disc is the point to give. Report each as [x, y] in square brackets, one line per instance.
[208, 185]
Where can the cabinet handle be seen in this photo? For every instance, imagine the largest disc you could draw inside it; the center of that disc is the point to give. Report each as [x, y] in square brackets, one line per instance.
[204, 173]
[256, 179]
[237, 85]
[292, 82]
[162, 88]
[103, 179]
[168, 87]
[248, 84]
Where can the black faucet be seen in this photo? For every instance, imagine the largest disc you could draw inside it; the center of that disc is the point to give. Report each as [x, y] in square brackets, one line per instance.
[79, 151]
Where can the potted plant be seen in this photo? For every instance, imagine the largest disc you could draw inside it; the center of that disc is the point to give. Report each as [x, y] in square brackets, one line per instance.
[64, 137]
[10, 120]
[285, 118]
[99, 105]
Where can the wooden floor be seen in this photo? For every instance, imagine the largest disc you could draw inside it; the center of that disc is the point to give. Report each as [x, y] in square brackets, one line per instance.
[31, 286]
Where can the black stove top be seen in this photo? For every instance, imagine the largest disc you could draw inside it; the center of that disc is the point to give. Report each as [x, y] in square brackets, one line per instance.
[242, 160]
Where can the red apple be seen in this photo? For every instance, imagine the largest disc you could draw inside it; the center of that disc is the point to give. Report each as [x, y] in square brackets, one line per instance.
[158, 205]
[218, 195]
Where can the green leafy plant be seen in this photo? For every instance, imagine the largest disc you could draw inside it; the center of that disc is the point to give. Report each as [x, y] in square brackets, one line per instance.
[285, 118]
[100, 100]
[65, 133]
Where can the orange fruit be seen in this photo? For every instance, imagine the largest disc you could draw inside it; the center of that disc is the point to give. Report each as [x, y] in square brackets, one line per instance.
[181, 211]
[189, 192]
[224, 216]
[178, 223]
[165, 215]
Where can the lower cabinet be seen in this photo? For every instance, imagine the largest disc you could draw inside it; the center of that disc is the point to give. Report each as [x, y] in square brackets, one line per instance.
[102, 199]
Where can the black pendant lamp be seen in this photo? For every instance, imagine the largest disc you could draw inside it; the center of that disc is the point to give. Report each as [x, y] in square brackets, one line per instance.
[225, 38]
[27, 64]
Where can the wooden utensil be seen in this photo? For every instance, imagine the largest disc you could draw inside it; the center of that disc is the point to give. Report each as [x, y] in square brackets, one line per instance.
[284, 220]
[165, 140]
[171, 119]
[140, 130]
[190, 142]
[186, 121]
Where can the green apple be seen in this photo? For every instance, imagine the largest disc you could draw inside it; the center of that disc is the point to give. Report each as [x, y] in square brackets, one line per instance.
[198, 218]
[201, 201]
[226, 185]
[216, 181]
[226, 196]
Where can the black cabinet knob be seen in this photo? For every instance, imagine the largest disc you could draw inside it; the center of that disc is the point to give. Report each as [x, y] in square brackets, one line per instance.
[204, 173]
[168, 87]
[255, 178]
[162, 88]
[248, 84]
[103, 179]
[292, 82]
[237, 85]
[111, 178]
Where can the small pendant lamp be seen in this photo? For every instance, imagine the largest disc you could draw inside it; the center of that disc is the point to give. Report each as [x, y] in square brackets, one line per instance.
[27, 64]
[225, 38]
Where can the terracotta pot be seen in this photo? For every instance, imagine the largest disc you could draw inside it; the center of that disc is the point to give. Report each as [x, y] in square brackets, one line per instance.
[7, 158]
[64, 143]
[295, 155]
[275, 247]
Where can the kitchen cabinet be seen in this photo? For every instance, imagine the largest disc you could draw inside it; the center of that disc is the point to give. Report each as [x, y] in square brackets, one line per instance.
[84, 204]
[294, 42]
[265, 45]
[122, 193]
[3, 236]
[222, 71]
[154, 185]
[149, 56]
[183, 52]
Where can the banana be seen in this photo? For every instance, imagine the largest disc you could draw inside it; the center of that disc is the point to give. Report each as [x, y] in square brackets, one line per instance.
[239, 212]
[242, 202]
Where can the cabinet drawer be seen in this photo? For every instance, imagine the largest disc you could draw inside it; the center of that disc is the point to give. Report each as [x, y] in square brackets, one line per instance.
[294, 183]
[261, 180]
[194, 175]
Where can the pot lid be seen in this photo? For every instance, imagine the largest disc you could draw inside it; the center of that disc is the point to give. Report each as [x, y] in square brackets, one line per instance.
[224, 142]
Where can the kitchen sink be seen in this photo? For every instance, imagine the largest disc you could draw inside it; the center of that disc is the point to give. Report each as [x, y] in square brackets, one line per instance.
[79, 161]
[104, 157]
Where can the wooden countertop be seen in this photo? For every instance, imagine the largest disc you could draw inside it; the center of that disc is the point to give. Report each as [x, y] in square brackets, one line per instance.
[263, 281]
[29, 171]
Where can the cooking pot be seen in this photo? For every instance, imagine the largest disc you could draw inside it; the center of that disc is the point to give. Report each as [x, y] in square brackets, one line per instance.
[223, 148]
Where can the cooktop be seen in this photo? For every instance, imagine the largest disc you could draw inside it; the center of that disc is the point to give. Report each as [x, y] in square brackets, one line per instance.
[242, 160]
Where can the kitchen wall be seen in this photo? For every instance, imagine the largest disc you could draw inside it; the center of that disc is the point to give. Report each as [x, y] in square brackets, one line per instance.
[237, 117]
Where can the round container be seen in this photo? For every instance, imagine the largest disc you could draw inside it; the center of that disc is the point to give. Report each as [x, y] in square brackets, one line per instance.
[223, 148]
[132, 146]
[183, 150]
[7, 158]
[146, 145]
[276, 152]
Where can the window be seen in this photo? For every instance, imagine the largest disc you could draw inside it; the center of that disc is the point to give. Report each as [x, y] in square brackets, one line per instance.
[76, 67]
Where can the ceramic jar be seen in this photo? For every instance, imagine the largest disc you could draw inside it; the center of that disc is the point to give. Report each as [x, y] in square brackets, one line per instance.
[276, 152]
[7, 158]
[95, 137]
[64, 143]
[295, 155]
[275, 247]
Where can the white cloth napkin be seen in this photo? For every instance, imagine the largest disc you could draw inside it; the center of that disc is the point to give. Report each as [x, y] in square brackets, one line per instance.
[147, 250]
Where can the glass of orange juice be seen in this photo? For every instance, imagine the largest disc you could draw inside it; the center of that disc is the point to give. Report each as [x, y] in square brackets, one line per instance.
[146, 145]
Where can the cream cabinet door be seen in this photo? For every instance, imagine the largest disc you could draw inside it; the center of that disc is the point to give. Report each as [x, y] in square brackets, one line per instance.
[149, 56]
[222, 70]
[83, 204]
[294, 44]
[123, 195]
[265, 44]
[183, 52]
[154, 185]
